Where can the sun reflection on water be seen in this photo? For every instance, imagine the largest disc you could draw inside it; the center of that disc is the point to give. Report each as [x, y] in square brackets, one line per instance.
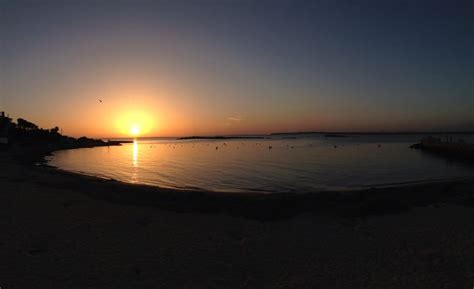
[135, 153]
[135, 161]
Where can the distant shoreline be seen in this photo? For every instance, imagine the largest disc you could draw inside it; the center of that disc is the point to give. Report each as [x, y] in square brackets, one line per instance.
[220, 137]
[263, 136]
[370, 133]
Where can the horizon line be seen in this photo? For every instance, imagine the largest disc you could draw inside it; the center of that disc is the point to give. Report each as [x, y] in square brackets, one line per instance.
[297, 133]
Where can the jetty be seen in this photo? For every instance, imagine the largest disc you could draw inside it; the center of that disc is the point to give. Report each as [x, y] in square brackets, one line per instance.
[448, 147]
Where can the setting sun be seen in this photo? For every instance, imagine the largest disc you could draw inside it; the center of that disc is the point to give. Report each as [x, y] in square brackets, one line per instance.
[135, 130]
[135, 123]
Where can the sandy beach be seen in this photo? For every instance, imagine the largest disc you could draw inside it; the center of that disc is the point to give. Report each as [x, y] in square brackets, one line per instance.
[61, 230]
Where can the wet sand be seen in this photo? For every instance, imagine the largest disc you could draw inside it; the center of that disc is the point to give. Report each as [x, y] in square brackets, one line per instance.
[62, 230]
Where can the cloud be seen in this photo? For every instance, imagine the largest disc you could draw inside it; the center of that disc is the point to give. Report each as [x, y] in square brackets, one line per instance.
[234, 118]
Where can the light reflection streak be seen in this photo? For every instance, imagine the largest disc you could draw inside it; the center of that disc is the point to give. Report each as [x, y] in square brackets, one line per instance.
[135, 153]
[135, 161]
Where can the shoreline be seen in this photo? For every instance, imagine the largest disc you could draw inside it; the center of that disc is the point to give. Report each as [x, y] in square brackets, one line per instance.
[338, 189]
[372, 200]
[40, 160]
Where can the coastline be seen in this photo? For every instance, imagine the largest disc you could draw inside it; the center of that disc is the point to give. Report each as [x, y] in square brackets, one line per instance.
[65, 230]
[267, 206]
[276, 206]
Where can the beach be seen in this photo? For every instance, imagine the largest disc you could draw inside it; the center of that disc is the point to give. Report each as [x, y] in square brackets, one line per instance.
[63, 230]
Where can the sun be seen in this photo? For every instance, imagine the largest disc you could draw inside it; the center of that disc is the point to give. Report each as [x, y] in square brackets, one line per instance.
[136, 123]
[135, 130]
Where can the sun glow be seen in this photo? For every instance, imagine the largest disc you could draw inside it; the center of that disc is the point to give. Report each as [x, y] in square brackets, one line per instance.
[135, 130]
[135, 123]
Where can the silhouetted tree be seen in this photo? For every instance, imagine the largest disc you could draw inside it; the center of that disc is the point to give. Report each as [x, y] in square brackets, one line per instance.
[26, 125]
[54, 130]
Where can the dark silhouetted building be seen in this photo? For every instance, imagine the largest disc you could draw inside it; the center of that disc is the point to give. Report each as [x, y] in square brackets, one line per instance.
[5, 123]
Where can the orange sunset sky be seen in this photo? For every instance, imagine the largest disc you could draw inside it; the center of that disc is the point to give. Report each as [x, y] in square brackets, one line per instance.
[236, 67]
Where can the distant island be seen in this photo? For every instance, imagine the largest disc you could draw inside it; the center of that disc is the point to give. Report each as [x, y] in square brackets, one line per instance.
[220, 137]
[296, 133]
[345, 133]
[335, 135]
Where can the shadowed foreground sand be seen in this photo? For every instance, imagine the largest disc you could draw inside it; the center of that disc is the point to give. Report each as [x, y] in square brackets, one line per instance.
[65, 231]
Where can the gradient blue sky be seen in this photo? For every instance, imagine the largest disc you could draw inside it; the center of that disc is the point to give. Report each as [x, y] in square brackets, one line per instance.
[229, 67]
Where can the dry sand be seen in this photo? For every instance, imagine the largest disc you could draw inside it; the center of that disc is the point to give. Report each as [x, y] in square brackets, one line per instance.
[57, 231]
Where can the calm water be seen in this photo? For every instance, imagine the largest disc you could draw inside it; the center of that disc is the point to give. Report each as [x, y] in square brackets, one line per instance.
[301, 164]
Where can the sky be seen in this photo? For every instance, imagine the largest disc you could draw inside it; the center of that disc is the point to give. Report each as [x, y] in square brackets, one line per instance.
[173, 68]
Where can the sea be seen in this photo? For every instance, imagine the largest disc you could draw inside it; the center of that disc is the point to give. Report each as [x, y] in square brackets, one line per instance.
[287, 163]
